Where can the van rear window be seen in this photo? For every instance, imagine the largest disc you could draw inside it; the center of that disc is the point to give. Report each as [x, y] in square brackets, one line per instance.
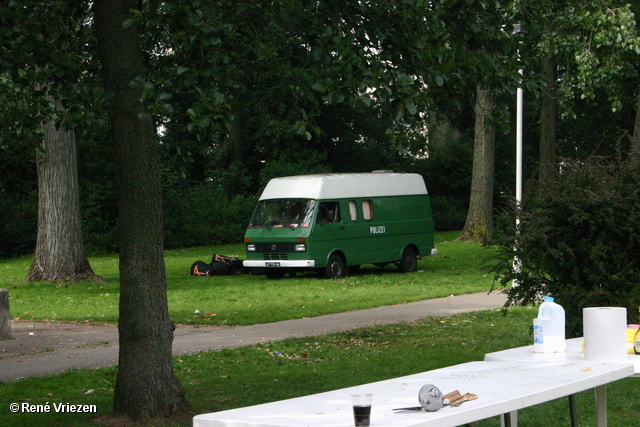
[367, 210]
[353, 210]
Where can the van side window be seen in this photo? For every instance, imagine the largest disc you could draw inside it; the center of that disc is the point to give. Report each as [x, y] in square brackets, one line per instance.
[367, 210]
[329, 212]
[353, 210]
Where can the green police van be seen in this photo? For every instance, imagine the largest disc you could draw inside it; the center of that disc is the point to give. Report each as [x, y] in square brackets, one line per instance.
[336, 222]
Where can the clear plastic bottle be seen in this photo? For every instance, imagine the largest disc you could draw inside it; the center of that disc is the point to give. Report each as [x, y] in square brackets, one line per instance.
[548, 328]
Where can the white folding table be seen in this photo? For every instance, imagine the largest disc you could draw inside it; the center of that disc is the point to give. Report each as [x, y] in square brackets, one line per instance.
[502, 387]
[573, 353]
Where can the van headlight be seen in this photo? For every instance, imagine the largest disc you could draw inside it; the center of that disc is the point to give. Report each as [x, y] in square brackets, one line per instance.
[251, 247]
[301, 247]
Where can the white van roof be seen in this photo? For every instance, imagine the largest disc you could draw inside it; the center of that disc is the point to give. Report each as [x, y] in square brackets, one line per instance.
[344, 185]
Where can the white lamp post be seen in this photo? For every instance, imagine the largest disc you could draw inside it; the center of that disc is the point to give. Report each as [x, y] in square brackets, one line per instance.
[518, 29]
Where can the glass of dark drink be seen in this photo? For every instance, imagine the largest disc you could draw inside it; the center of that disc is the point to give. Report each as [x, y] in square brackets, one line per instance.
[362, 408]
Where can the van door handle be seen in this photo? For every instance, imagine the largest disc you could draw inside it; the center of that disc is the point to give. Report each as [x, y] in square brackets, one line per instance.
[342, 228]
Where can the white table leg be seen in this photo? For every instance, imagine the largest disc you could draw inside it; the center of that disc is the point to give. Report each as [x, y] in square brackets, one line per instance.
[601, 406]
[509, 420]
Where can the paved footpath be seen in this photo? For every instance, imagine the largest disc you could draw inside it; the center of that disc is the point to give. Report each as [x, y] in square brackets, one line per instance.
[39, 349]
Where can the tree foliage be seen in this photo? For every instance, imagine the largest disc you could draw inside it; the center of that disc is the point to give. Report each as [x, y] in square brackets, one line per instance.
[578, 239]
[281, 71]
[45, 48]
[600, 42]
[590, 50]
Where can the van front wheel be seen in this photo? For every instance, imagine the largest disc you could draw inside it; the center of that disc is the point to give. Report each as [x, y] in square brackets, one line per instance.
[409, 261]
[335, 267]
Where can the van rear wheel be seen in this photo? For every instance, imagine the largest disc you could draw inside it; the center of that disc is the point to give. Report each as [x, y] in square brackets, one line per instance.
[409, 261]
[335, 267]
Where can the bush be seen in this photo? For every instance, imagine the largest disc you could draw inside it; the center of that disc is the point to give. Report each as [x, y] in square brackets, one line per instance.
[449, 213]
[579, 240]
[447, 174]
[302, 161]
[205, 215]
[19, 224]
[99, 209]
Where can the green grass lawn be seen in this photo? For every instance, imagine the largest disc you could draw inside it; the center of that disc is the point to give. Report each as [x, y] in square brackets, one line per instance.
[232, 378]
[249, 299]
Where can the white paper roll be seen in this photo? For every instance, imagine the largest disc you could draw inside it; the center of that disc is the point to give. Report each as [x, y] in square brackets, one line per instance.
[605, 333]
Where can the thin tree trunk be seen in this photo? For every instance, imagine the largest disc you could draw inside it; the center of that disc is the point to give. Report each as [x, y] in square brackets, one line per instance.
[146, 384]
[479, 223]
[59, 253]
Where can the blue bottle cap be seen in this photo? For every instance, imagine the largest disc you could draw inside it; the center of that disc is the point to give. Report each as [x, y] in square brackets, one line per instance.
[548, 299]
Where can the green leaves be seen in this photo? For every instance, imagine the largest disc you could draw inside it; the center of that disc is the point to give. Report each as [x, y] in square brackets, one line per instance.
[210, 107]
[601, 45]
[578, 238]
[319, 87]
[45, 57]
[137, 17]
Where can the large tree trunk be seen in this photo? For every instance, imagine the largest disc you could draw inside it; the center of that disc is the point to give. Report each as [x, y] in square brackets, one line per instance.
[479, 223]
[146, 384]
[548, 119]
[59, 253]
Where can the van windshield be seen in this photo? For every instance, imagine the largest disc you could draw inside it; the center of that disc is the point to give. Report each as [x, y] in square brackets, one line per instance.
[278, 213]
